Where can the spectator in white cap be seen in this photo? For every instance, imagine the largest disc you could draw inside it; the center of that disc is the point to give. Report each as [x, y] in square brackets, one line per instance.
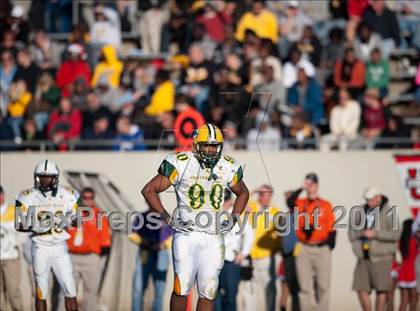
[292, 26]
[106, 28]
[17, 11]
[72, 69]
[374, 233]
[290, 68]
[18, 24]
[263, 136]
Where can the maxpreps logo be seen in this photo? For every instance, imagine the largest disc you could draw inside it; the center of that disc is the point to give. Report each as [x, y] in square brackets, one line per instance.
[412, 182]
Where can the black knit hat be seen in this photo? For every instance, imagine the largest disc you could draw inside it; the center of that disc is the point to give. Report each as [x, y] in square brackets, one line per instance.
[312, 177]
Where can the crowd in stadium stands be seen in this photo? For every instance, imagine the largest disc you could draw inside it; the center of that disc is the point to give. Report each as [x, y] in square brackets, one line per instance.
[295, 74]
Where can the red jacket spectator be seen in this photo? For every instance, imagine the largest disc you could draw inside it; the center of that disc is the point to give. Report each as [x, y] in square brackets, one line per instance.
[374, 118]
[64, 123]
[90, 239]
[373, 114]
[214, 22]
[357, 7]
[72, 69]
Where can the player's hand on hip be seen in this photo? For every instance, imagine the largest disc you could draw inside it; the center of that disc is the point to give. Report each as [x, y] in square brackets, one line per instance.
[180, 225]
[227, 225]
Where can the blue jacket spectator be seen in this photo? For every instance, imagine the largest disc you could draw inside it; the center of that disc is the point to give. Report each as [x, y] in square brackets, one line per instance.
[129, 136]
[100, 131]
[307, 94]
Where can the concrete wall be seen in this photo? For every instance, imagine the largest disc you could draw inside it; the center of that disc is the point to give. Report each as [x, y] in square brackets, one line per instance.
[343, 177]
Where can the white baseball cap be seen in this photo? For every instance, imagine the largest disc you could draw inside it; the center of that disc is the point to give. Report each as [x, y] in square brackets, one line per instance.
[307, 67]
[370, 193]
[75, 48]
[17, 11]
[293, 3]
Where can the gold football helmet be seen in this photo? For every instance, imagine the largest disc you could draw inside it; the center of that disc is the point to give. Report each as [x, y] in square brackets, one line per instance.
[203, 137]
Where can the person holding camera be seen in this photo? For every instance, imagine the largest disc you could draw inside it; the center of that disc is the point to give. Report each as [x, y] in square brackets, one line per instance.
[316, 237]
[374, 233]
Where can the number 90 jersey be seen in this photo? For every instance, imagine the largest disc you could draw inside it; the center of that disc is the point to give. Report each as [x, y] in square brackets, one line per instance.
[198, 188]
[32, 205]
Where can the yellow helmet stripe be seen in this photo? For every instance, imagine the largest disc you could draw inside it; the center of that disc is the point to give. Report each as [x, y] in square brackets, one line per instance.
[219, 136]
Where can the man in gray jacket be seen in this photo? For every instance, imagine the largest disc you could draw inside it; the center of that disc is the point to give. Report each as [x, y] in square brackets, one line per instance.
[374, 231]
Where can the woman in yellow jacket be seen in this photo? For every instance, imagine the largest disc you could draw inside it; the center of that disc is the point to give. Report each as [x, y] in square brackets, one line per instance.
[109, 68]
[163, 97]
[19, 101]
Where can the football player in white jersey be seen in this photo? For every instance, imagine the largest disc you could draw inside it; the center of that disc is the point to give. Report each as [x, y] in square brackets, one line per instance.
[199, 179]
[47, 199]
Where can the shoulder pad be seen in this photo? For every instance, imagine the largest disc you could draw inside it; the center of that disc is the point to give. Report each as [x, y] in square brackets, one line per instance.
[26, 192]
[228, 158]
[182, 156]
[24, 195]
[69, 191]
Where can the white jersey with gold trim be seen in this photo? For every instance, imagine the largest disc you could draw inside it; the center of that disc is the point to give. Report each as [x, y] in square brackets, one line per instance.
[64, 200]
[199, 188]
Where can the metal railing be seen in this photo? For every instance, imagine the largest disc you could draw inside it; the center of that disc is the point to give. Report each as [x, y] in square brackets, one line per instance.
[115, 145]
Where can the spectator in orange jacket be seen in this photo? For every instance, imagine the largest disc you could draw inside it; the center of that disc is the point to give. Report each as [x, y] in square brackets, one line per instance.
[317, 238]
[86, 245]
[350, 73]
